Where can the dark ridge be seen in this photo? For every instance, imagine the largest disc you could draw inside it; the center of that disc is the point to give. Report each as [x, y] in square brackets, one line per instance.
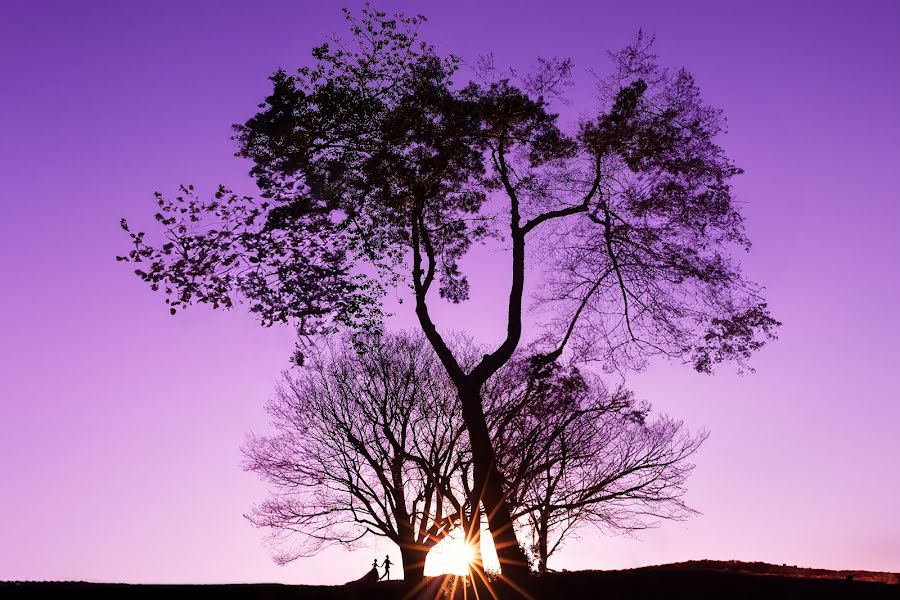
[698, 580]
[785, 570]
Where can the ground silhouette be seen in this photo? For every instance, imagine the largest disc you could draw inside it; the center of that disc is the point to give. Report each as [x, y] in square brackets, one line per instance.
[696, 579]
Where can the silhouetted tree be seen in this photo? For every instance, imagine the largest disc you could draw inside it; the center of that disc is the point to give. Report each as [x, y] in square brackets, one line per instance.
[367, 442]
[574, 454]
[376, 168]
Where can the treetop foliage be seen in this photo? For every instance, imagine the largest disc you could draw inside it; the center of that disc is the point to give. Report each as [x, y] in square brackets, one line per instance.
[377, 168]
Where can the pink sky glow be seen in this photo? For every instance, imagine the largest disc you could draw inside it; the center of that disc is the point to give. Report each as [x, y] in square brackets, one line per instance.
[120, 426]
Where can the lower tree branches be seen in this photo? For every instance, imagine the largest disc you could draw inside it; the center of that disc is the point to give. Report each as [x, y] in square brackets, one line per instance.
[369, 440]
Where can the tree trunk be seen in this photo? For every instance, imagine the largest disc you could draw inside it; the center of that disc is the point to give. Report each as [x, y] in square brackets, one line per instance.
[473, 535]
[543, 534]
[472, 528]
[513, 563]
[413, 557]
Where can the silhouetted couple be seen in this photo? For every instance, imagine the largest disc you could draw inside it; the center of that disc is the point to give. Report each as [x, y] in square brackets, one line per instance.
[387, 567]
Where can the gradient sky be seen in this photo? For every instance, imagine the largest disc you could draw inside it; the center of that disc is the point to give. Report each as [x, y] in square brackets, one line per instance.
[120, 426]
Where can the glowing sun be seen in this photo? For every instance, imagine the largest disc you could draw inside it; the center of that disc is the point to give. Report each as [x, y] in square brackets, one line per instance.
[453, 555]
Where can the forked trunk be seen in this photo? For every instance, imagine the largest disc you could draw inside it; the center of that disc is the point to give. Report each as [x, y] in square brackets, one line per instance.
[488, 482]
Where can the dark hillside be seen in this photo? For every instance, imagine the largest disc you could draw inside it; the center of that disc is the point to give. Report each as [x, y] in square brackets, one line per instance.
[696, 580]
[761, 568]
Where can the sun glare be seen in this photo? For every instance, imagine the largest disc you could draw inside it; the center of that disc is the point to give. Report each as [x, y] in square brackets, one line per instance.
[450, 556]
[453, 555]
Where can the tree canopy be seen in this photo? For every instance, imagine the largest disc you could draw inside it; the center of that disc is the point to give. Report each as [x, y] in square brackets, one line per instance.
[376, 168]
[381, 164]
[371, 441]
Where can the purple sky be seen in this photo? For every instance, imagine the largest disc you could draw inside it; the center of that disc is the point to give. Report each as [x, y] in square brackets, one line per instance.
[120, 425]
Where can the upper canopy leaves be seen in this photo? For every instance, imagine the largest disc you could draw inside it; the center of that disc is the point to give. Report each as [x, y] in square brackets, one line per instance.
[375, 154]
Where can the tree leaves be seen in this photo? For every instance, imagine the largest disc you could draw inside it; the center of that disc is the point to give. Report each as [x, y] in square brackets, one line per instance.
[372, 154]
